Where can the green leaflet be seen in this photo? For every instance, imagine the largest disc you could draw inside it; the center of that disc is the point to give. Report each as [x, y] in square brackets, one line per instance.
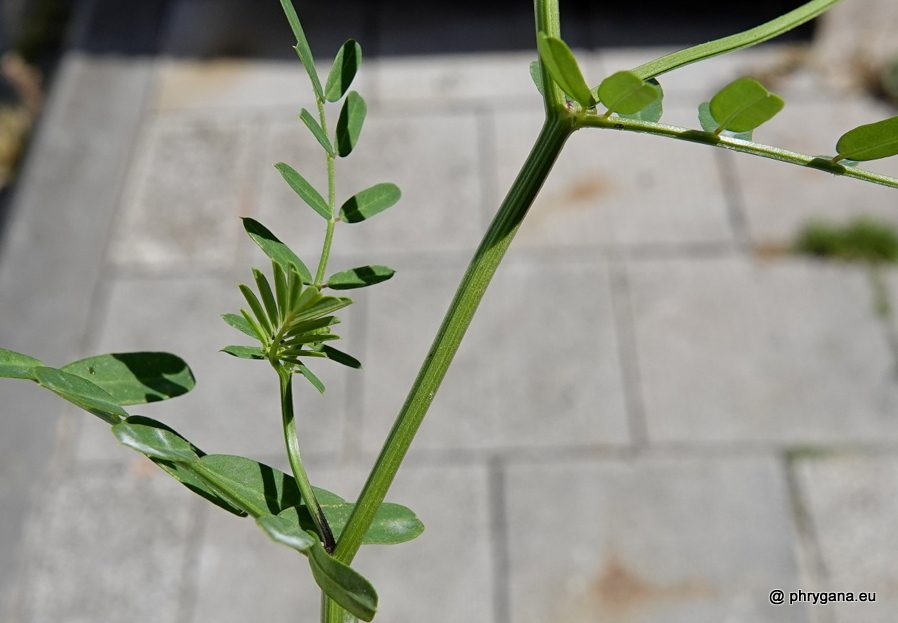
[136, 378]
[393, 523]
[870, 142]
[537, 76]
[250, 486]
[369, 202]
[317, 131]
[710, 124]
[349, 125]
[343, 584]
[302, 47]
[314, 380]
[626, 93]
[344, 69]
[240, 323]
[286, 533]
[743, 105]
[305, 190]
[155, 442]
[245, 352]
[359, 277]
[562, 66]
[81, 393]
[274, 248]
[339, 356]
[651, 113]
[17, 366]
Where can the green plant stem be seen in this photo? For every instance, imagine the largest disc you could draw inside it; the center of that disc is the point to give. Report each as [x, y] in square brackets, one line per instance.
[299, 472]
[331, 202]
[759, 34]
[823, 163]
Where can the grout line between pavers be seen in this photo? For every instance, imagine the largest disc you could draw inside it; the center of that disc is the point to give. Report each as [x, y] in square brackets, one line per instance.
[625, 331]
[498, 519]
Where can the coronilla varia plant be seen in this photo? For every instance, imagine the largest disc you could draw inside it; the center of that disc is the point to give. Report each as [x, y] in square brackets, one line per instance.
[289, 315]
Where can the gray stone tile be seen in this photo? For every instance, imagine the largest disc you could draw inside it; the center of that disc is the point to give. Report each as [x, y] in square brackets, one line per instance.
[234, 408]
[190, 182]
[432, 157]
[666, 540]
[106, 546]
[244, 576]
[853, 501]
[735, 350]
[790, 196]
[539, 366]
[614, 187]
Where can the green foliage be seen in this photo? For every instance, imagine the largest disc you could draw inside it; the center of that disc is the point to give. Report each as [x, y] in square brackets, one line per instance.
[17, 366]
[306, 192]
[136, 378]
[345, 66]
[743, 105]
[627, 93]
[341, 583]
[537, 76]
[710, 124]
[302, 47]
[154, 441]
[651, 113]
[317, 131]
[369, 202]
[349, 125]
[861, 240]
[562, 66]
[870, 142]
[81, 393]
[359, 277]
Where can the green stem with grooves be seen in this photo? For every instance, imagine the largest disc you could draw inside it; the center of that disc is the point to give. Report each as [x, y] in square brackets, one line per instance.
[299, 472]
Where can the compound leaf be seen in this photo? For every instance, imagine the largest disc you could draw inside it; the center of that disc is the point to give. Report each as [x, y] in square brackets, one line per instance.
[369, 202]
[136, 378]
[563, 68]
[343, 584]
[275, 249]
[349, 125]
[345, 66]
[17, 366]
[870, 142]
[305, 190]
[359, 277]
[743, 105]
[80, 392]
[627, 93]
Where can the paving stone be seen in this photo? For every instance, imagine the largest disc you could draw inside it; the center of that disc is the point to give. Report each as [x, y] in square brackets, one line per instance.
[502, 390]
[790, 196]
[434, 160]
[853, 501]
[614, 187]
[234, 408]
[185, 192]
[500, 79]
[106, 546]
[734, 350]
[443, 575]
[666, 540]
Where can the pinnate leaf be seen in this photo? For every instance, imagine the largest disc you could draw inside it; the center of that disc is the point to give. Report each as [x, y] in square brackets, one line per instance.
[359, 277]
[343, 584]
[317, 131]
[275, 249]
[136, 378]
[710, 124]
[743, 105]
[627, 93]
[17, 366]
[81, 393]
[369, 202]
[349, 125]
[870, 142]
[562, 66]
[305, 190]
[345, 66]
